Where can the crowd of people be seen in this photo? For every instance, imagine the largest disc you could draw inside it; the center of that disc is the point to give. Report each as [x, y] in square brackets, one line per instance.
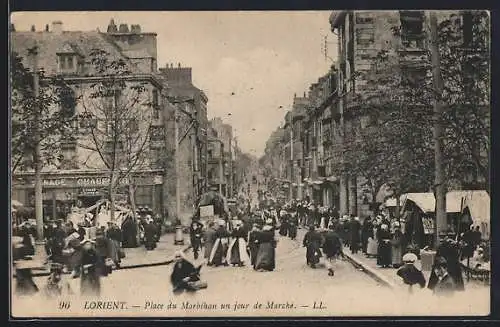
[89, 251]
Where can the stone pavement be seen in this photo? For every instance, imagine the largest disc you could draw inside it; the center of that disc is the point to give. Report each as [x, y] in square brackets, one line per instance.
[387, 276]
[134, 257]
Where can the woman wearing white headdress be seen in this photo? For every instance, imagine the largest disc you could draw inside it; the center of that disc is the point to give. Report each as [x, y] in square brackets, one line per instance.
[219, 250]
[237, 251]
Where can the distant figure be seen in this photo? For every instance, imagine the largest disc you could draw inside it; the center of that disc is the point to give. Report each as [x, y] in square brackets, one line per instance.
[209, 238]
[266, 255]
[312, 242]
[332, 247]
[253, 243]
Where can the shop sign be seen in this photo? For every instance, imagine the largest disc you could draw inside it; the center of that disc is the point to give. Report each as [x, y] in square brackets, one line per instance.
[97, 181]
[54, 182]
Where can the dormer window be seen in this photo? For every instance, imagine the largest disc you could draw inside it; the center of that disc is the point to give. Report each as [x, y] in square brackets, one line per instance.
[68, 59]
[67, 63]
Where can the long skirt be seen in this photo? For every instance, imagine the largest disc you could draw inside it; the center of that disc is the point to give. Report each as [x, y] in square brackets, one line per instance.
[292, 231]
[218, 253]
[397, 255]
[265, 257]
[254, 249]
[90, 284]
[313, 254]
[384, 254]
[237, 253]
[208, 248]
[283, 229]
[372, 247]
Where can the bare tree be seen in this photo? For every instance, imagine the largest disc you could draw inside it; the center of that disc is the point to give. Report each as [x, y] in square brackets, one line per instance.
[119, 117]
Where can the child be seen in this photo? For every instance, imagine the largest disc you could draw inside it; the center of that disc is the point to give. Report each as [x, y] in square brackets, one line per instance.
[409, 273]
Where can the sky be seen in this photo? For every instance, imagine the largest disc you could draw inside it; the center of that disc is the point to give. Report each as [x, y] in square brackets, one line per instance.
[248, 63]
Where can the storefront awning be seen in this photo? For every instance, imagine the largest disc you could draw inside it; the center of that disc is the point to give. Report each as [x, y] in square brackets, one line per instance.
[332, 179]
[478, 203]
[454, 199]
[425, 201]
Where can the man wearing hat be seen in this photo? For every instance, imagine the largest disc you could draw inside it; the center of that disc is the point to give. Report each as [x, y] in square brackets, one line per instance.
[410, 274]
[266, 254]
[196, 233]
[445, 284]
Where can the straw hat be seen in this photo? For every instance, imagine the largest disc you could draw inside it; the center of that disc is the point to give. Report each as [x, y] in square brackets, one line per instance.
[410, 257]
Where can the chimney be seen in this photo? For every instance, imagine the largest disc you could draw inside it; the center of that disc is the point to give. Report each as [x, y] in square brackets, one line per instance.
[46, 27]
[123, 28]
[112, 27]
[33, 28]
[57, 27]
[136, 29]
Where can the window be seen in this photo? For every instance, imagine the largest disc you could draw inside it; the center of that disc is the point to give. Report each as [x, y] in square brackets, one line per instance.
[412, 28]
[210, 154]
[144, 196]
[67, 63]
[156, 107]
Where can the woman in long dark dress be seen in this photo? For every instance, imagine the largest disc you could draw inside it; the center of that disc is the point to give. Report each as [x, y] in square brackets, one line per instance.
[129, 233]
[266, 260]
[384, 247]
[253, 244]
[218, 253]
[91, 270]
[237, 251]
[312, 241]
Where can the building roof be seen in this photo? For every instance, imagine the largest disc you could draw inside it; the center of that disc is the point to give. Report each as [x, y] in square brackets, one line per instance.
[137, 54]
[336, 18]
[50, 43]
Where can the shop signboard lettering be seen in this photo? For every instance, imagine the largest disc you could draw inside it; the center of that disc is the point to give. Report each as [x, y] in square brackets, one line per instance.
[54, 182]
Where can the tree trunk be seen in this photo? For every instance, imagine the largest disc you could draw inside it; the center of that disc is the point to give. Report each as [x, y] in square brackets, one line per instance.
[112, 197]
[131, 190]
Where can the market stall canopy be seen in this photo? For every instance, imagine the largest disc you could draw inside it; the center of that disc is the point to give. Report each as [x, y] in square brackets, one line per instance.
[16, 204]
[425, 201]
[454, 199]
[478, 203]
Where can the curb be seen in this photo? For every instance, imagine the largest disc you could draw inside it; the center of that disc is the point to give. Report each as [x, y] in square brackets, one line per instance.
[369, 271]
[132, 266]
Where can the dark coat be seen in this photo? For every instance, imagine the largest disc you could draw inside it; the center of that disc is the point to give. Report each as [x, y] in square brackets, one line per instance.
[90, 281]
[266, 254]
[181, 270]
[411, 275]
[445, 287]
[312, 241]
[209, 237]
[450, 253]
[150, 236]
[332, 245]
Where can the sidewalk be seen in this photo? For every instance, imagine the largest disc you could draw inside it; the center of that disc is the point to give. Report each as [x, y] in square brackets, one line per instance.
[386, 276]
[134, 257]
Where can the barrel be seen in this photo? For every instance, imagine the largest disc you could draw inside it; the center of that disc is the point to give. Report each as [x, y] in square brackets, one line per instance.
[179, 235]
